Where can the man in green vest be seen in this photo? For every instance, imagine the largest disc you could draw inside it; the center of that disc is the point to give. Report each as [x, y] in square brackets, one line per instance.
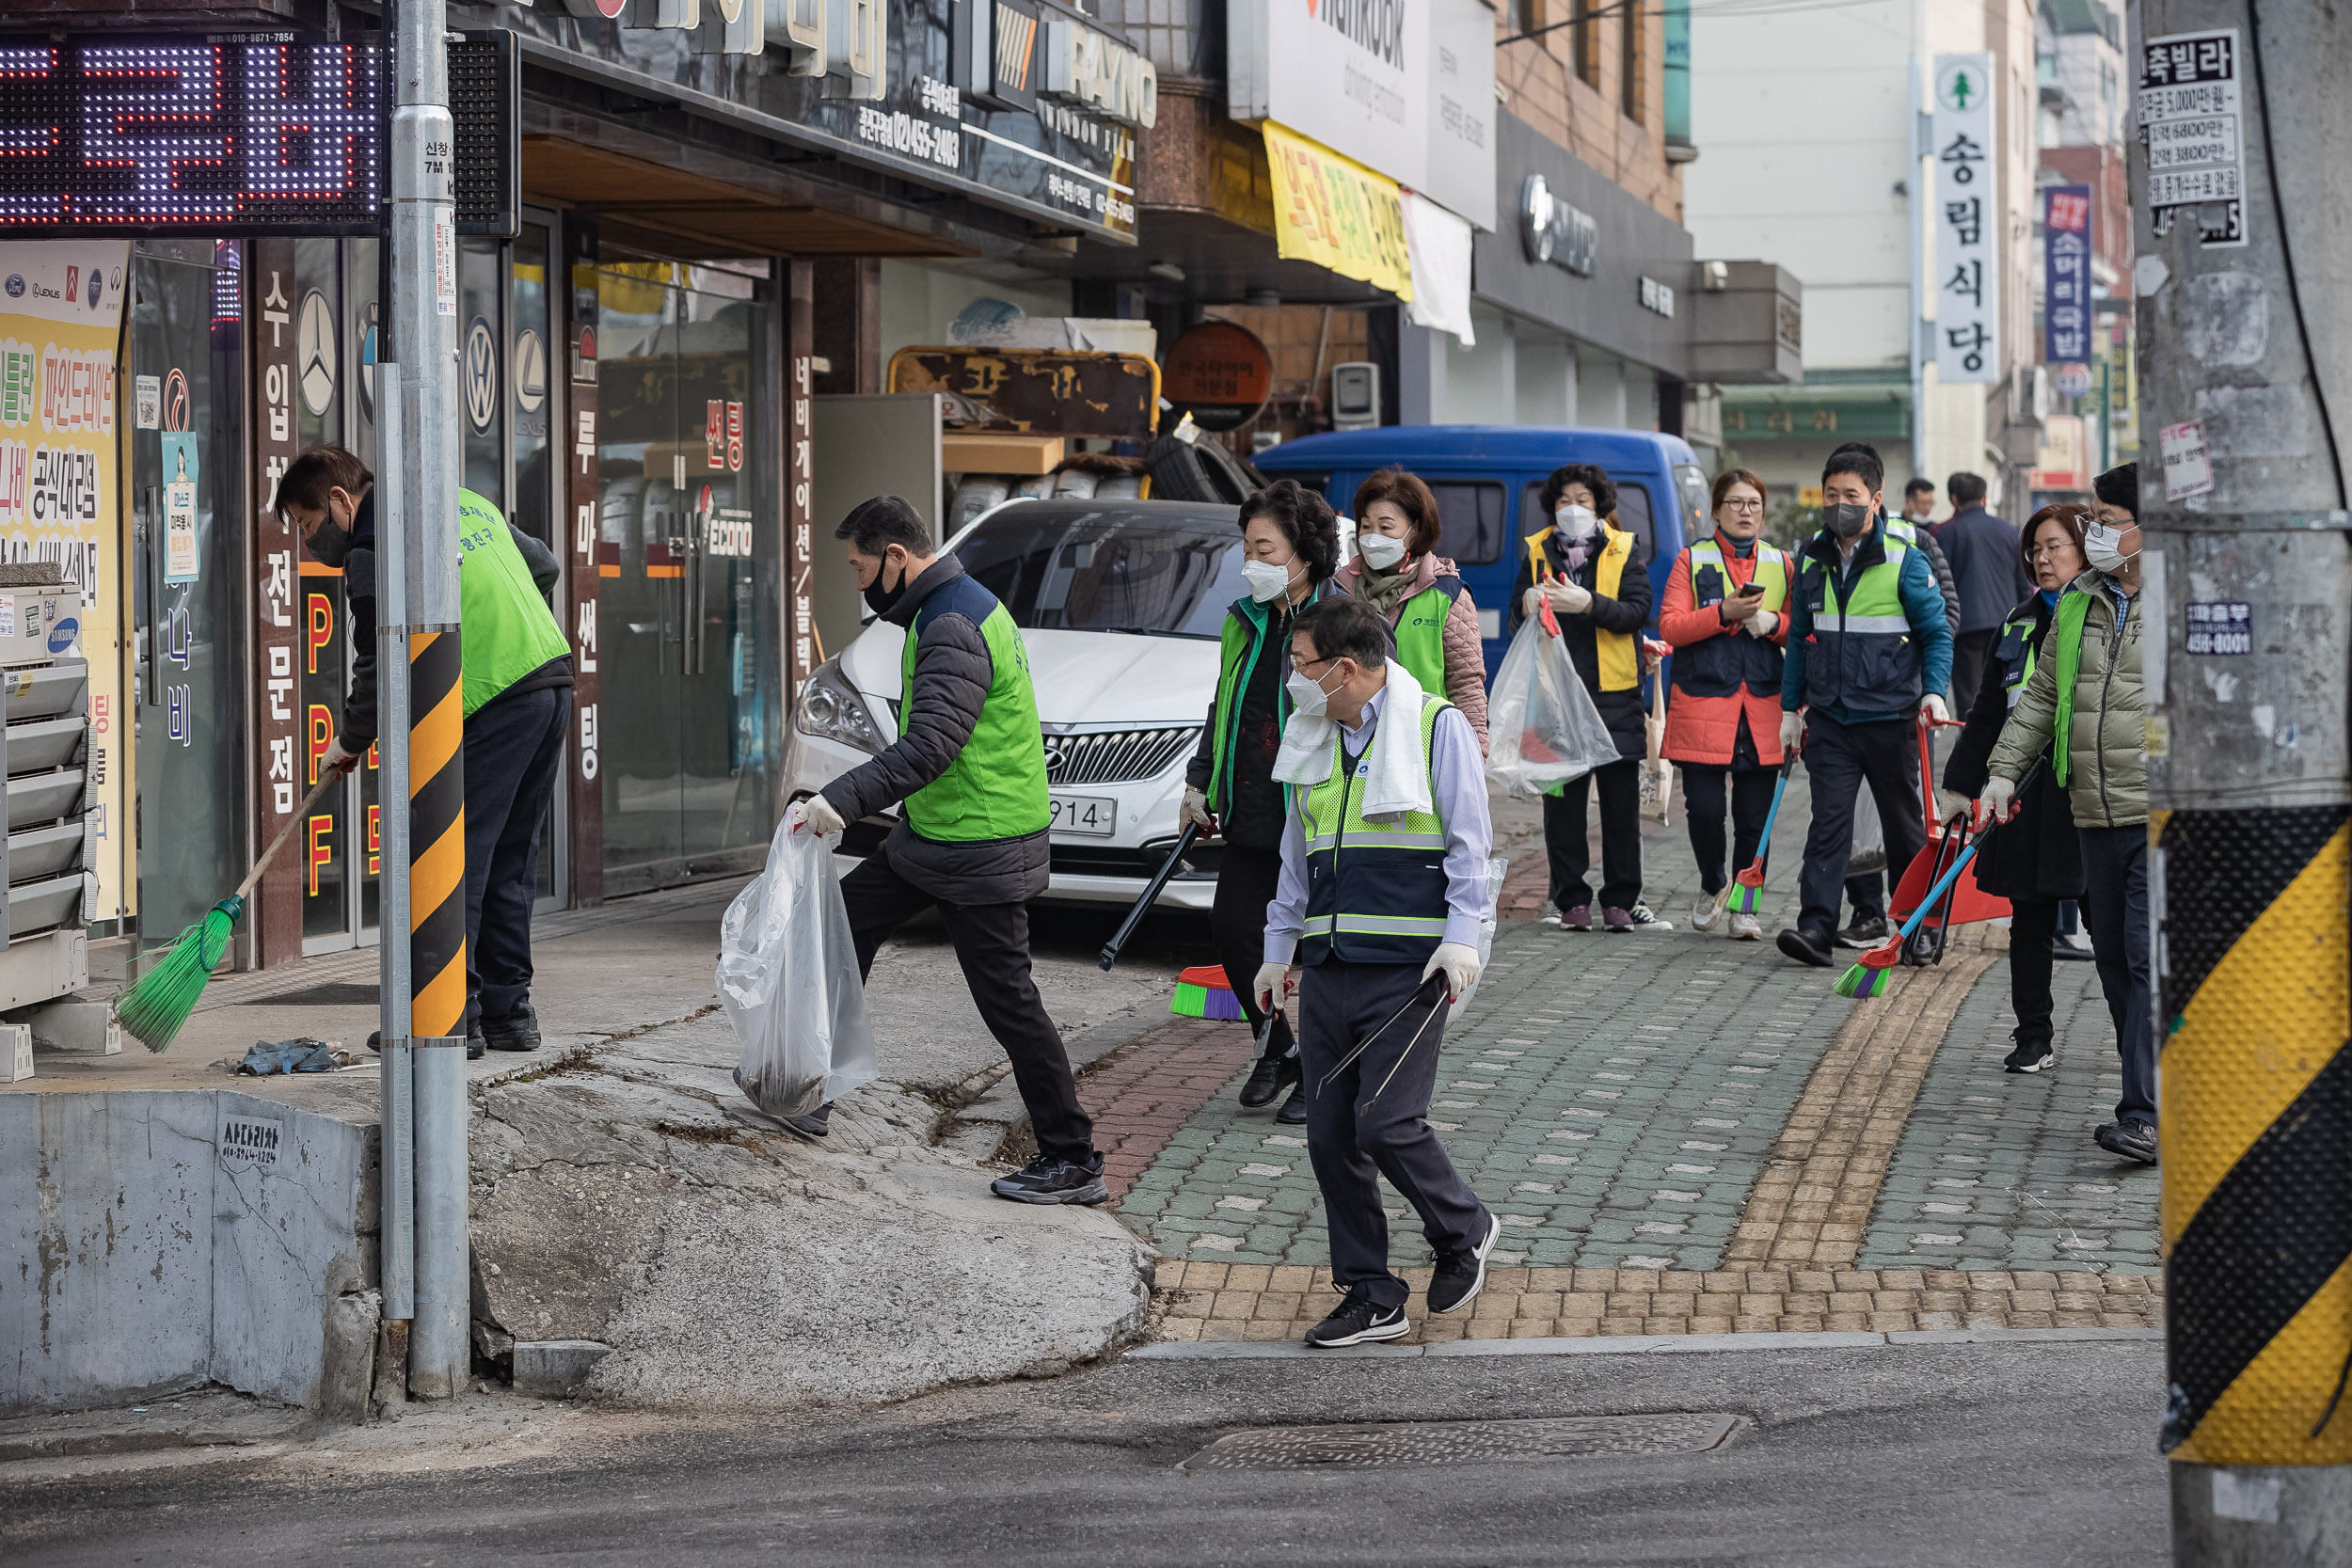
[516, 698]
[969, 766]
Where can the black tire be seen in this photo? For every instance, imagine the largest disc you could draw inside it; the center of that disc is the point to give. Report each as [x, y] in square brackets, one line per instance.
[1201, 471]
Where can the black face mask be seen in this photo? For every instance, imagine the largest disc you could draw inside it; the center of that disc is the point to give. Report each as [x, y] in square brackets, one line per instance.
[1846, 520]
[878, 598]
[331, 543]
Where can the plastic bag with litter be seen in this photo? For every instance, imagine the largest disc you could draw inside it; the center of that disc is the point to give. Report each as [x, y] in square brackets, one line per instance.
[787, 980]
[1542, 728]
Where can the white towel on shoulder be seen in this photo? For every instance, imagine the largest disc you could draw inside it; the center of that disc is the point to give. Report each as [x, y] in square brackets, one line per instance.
[1399, 781]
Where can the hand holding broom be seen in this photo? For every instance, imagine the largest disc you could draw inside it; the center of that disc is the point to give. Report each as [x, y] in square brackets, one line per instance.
[154, 1009]
[1868, 977]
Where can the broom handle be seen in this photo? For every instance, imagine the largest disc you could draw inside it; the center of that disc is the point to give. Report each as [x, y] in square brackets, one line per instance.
[286, 833]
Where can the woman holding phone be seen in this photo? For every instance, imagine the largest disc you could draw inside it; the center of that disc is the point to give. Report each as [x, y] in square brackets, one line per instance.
[1722, 612]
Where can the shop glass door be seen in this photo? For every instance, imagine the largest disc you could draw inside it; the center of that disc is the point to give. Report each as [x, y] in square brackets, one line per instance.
[692, 701]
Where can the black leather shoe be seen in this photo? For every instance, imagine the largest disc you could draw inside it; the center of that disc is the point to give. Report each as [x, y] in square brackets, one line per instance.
[2134, 1140]
[1276, 1071]
[1294, 1111]
[517, 1031]
[1806, 948]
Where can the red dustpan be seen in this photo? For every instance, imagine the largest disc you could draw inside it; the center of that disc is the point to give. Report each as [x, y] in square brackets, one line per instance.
[1969, 903]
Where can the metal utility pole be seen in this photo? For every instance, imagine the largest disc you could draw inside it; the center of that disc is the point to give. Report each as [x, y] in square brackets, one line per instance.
[2245, 345]
[423, 1161]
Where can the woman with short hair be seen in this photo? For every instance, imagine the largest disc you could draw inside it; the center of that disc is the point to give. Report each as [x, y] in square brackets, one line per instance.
[1398, 572]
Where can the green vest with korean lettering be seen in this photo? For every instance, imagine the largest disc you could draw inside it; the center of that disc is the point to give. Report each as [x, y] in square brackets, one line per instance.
[509, 631]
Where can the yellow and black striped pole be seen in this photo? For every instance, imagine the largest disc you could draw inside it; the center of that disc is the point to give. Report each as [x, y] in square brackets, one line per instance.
[436, 828]
[2247, 588]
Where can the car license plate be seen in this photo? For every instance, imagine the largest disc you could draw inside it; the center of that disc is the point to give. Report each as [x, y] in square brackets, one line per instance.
[1095, 815]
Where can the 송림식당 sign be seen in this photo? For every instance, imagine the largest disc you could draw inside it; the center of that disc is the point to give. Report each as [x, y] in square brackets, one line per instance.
[1966, 271]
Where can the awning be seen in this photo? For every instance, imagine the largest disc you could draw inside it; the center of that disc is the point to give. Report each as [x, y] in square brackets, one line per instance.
[1440, 247]
[1337, 214]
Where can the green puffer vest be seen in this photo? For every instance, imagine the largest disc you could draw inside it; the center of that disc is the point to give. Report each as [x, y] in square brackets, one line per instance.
[1419, 631]
[2085, 702]
[509, 631]
[995, 788]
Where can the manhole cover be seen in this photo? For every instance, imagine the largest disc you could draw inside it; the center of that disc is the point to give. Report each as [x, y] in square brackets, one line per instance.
[333, 994]
[1397, 1443]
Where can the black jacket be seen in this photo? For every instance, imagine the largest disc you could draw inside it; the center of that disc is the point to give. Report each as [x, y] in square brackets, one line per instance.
[2037, 854]
[1628, 613]
[952, 674]
[1986, 565]
[359, 729]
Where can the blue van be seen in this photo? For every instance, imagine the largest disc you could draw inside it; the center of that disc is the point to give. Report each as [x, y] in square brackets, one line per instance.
[1487, 479]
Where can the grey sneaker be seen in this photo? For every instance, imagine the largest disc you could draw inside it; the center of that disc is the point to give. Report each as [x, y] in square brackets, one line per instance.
[1705, 911]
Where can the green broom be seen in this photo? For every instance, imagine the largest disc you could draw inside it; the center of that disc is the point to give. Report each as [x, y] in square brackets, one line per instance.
[152, 1011]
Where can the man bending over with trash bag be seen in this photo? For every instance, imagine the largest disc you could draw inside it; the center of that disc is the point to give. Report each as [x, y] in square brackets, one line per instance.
[970, 764]
[1382, 892]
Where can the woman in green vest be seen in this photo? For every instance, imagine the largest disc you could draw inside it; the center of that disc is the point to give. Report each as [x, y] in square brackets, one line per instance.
[1398, 572]
[1290, 548]
[2036, 863]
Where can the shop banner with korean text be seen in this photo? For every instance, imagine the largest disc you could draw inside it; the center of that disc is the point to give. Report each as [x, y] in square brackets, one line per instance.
[2066, 273]
[1337, 214]
[1967, 269]
[60, 486]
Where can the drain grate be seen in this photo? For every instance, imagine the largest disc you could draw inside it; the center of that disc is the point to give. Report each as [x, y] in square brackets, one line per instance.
[333, 994]
[1388, 1444]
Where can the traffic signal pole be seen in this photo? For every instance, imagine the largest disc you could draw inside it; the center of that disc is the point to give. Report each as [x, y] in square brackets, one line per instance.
[424, 953]
[2245, 345]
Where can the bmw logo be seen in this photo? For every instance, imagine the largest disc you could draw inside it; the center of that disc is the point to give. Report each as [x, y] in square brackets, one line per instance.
[15, 285]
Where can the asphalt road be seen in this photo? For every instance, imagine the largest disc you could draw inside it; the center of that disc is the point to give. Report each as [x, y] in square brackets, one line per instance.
[1917, 1455]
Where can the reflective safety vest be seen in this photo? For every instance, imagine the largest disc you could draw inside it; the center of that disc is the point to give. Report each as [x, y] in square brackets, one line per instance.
[1720, 666]
[1861, 657]
[1375, 890]
[1419, 631]
[995, 788]
[1620, 669]
[2017, 651]
[509, 631]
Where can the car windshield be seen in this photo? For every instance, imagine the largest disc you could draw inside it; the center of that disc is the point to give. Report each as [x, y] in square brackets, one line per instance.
[1109, 569]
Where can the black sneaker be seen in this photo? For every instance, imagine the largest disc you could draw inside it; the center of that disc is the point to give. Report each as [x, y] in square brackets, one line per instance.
[1868, 931]
[1806, 948]
[1459, 1276]
[811, 1124]
[1294, 1111]
[1358, 1321]
[2030, 1056]
[1274, 1073]
[517, 1031]
[2134, 1140]
[2063, 949]
[1051, 1179]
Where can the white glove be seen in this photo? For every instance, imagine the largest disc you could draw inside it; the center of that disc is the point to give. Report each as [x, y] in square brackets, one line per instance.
[819, 818]
[1572, 597]
[1271, 986]
[337, 760]
[1934, 707]
[1459, 961]
[1196, 808]
[1532, 601]
[2000, 798]
[1763, 623]
[1791, 732]
[1951, 804]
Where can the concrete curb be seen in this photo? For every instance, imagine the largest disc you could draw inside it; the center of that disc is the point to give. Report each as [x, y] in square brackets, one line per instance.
[1630, 1344]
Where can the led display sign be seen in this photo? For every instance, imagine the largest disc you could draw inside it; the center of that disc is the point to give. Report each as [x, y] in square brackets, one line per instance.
[244, 134]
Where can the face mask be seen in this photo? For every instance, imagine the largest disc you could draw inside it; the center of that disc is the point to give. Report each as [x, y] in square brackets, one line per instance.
[1846, 520]
[1266, 580]
[1577, 522]
[878, 598]
[1379, 550]
[1307, 696]
[2101, 542]
[331, 543]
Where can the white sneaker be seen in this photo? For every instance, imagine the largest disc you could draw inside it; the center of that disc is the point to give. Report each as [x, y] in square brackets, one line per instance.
[1744, 928]
[1644, 920]
[1705, 912]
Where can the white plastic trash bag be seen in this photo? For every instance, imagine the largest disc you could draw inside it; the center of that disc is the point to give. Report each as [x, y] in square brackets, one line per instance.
[1869, 836]
[1542, 728]
[788, 978]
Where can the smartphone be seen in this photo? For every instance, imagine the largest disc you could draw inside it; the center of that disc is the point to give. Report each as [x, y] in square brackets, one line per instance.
[1752, 590]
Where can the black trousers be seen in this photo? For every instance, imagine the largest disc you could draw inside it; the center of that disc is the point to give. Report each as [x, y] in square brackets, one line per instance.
[1371, 1120]
[2115, 900]
[1245, 886]
[1970, 649]
[513, 748]
[2032, 924]
[992, 943]
[1570, 850]
[1704, 788]
[1839, 759]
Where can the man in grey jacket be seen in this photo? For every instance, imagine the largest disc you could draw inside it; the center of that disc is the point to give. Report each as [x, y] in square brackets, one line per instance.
[968, 770]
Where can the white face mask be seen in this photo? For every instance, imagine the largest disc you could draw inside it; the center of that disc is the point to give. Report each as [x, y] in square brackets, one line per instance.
[1577, 522]
[2100, 545]
[1266, 580]
[1379, 550]
[1307, 696]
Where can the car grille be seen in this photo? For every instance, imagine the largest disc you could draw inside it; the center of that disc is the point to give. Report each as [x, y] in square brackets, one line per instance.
[1114, 757]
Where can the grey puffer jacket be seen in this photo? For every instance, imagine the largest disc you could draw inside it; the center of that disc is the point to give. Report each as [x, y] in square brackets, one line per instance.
[952, 674]
[2107, 783]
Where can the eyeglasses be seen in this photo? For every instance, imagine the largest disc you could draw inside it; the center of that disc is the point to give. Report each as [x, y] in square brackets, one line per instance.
[1742, 503]
[2039, 552]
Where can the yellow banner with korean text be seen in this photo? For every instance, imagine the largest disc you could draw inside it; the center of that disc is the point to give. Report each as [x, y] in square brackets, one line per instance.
[1337, 214]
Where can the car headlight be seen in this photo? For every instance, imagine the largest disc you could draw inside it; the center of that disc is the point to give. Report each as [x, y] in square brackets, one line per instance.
[831, 709]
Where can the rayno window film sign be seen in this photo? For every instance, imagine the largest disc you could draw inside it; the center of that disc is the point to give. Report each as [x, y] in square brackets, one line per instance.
[1967, 222]
[1019, 104]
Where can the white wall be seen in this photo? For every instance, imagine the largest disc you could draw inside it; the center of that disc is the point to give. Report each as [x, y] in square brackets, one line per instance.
[920, 298]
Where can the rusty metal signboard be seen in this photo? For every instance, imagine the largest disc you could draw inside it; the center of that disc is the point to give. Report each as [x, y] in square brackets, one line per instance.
[1036, 391]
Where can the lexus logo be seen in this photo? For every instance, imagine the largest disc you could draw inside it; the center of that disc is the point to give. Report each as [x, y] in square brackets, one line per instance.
[1052, 760]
